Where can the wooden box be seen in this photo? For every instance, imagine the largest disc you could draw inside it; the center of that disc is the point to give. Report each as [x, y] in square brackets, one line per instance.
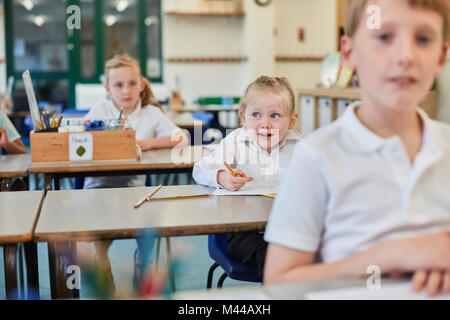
[99, 145]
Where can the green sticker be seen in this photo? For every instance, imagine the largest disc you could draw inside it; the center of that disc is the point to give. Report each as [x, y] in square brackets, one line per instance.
[80, 151]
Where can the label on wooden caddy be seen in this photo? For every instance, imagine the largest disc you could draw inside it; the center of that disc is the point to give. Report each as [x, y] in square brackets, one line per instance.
[83, 146]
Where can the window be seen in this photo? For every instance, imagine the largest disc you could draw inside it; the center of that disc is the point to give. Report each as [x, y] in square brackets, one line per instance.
[37, 39]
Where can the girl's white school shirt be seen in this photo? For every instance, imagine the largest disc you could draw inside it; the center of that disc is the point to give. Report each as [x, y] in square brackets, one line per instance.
[240, 151]
[149, 123]
[349, 189]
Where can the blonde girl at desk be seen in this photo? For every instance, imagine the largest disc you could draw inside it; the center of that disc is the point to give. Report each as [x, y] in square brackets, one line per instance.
[259, 152]
[131, 98]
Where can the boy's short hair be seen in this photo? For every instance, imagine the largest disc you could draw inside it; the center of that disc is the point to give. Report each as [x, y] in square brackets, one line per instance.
[355, 12]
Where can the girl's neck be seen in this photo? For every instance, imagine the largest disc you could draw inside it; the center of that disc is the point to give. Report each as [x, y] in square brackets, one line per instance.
[126, 111]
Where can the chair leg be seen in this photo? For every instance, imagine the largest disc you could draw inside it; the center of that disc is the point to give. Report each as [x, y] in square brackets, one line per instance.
[210, 275]
[221, 280]
[169, 259]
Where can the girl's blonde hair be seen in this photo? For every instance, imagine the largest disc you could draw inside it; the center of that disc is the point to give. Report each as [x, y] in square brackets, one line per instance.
[125, 60]
[355, 12]
[279, 86]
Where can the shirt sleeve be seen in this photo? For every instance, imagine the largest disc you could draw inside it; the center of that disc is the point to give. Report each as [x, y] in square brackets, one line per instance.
[297, 217]
[205, 171]
[164, 127]
[11, 131]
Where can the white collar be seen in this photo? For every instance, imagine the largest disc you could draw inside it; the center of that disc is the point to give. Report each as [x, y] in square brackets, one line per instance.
[367, 141]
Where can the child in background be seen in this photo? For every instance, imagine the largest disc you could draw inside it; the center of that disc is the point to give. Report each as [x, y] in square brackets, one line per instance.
[259, 151]
[372, 187]
[131, 93]
[9, 137]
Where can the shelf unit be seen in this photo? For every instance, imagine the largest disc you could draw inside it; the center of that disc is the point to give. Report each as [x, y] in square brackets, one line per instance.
[300, 58]
[429, 104]
[205, 13]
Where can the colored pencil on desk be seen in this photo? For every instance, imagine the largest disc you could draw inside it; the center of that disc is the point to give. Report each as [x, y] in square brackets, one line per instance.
[180, 197]
[147, 197]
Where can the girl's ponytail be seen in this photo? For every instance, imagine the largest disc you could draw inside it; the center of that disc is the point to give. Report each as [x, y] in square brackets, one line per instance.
[147, 96]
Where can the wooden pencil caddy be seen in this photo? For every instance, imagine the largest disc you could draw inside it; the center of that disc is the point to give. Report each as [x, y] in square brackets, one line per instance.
[106, 145]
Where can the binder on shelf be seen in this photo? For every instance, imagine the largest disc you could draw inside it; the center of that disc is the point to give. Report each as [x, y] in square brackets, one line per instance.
[325, 112]
[307, 114]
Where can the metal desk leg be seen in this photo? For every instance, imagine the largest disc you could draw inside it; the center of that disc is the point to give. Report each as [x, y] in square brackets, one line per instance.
[61, 255]
[10, 261]
[31, 256]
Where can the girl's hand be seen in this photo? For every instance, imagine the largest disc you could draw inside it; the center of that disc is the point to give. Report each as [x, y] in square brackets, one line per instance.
[145, 144]
[226, 179]
[434, 281]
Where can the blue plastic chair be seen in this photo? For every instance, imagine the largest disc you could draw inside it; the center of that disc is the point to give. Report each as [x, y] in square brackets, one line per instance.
[234, 269]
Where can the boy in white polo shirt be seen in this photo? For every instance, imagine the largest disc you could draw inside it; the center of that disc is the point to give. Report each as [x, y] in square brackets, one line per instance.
[372, 188]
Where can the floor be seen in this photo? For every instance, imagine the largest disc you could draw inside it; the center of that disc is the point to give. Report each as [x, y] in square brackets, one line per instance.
[190, 275]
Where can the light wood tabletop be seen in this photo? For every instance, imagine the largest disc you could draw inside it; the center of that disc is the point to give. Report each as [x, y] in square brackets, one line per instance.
[289, 291]
[176, 158]
[84, 215]
[18, 215]
[14, 166]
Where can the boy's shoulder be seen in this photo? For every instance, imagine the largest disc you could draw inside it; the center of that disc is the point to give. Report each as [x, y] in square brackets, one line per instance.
[441, 132]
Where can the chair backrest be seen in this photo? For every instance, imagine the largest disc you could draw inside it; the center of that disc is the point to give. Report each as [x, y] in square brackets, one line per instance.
[218, 251]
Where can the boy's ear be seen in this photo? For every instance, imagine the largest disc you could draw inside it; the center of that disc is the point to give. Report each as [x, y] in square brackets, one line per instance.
[293, 120]
[347, 52]
[442, 59]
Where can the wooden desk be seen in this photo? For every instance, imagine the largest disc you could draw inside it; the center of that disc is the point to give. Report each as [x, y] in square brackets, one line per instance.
[292, 291]
[13, 166]
[19, 212]
[185, 120]
[178, 160]
[101, 214]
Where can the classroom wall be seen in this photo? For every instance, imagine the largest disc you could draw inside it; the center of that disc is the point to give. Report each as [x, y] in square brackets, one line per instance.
[319, 20]
[260, 35]
[203, 36]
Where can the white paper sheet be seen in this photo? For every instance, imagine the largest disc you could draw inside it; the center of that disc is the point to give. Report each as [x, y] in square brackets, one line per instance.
[248, 190]
[402, 291]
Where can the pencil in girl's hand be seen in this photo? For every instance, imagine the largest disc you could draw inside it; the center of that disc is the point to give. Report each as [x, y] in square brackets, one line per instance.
[234, 173]
[120, 114]
[147, 197]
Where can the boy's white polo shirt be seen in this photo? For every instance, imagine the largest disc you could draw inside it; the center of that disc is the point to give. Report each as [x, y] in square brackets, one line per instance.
[348, 189]
[240, 151]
